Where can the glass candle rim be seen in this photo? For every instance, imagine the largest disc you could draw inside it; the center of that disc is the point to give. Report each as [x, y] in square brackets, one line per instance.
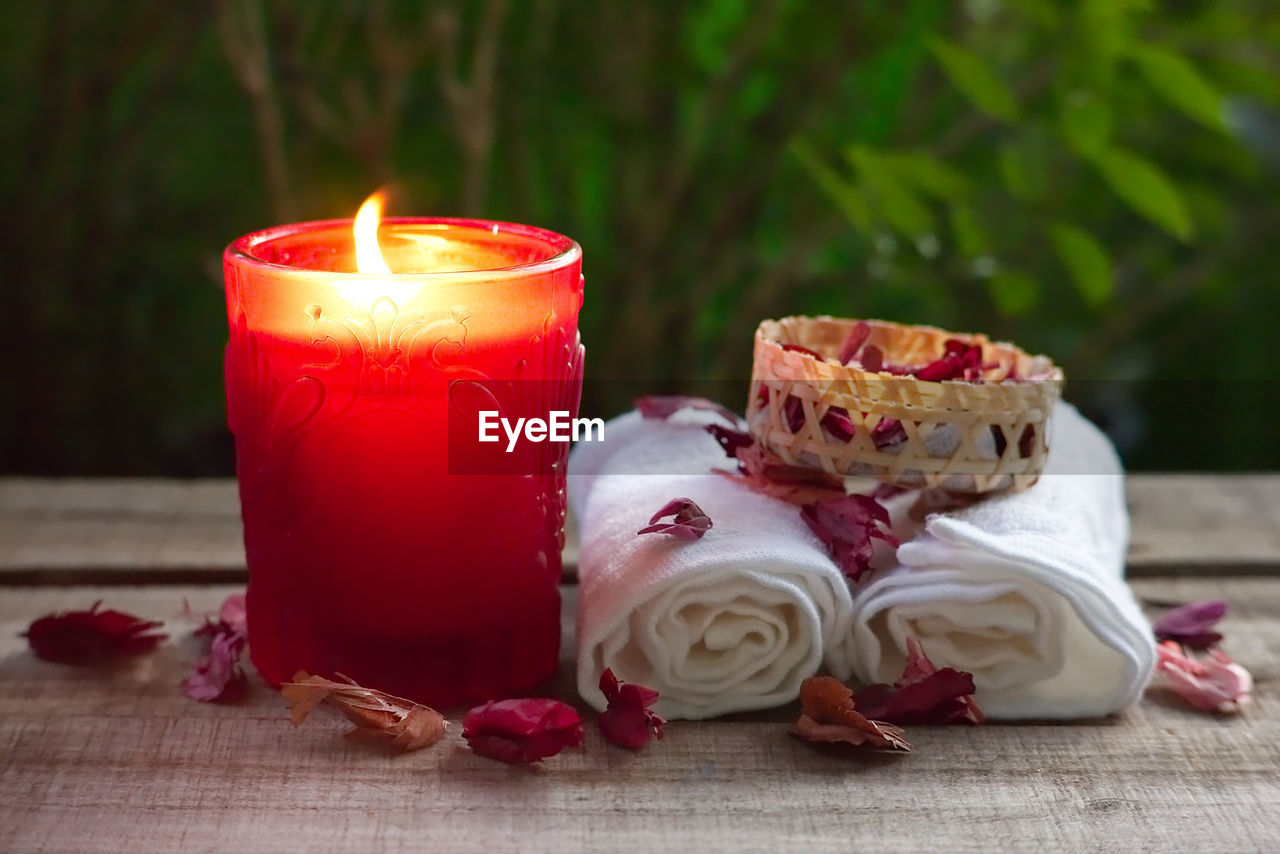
[240, 250]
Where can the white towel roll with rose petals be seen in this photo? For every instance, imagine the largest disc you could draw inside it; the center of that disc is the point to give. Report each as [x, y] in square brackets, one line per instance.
[730, 622]
[1025, 591]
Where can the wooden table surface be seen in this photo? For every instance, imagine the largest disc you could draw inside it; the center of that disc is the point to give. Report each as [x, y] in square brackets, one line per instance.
[116, 759]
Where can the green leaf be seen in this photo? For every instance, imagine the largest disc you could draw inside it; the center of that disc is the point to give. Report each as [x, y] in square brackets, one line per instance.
[1105, 26]
[1043, 12]
[848, 198]
[892, 198]
[974, 78]
[1085, 259]
[1176, 80]
[1012, 293]
[709, 30]
[1085, 122]
[932, 175]
[1024, 167]
[1146, 189]
[969, 236]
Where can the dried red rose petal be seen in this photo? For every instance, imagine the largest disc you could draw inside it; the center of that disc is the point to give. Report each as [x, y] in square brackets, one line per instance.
[688, 521]
[846, 526]
[1027, 441]
[872, 359]
[384, 718]
[522, 731]
[958, 361]
[829, 714]
[218, 677]
[793, 412]
[628, 721]
[853, 342]
[1213, 684]
[80, 637]
[730, 440]
[663, 406]
[1192, 624]
[796, 348]
[837, 422]
[924, 695]
[887, 433]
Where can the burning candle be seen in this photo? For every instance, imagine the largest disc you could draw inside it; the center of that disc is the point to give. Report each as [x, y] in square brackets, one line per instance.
[372, 551]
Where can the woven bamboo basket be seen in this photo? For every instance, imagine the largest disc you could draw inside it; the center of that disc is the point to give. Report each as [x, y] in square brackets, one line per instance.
[963, 436]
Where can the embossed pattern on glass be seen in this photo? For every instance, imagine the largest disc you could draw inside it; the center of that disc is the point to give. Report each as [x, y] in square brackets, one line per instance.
[366, 555]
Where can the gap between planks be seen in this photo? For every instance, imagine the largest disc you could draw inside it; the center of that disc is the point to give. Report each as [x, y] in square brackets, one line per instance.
[157, 531]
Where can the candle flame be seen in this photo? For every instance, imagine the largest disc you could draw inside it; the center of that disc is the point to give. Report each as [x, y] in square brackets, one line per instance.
[368, 253]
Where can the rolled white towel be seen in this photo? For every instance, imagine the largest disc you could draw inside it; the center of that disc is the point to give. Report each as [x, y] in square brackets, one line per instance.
[733, 621]
[1025, 591]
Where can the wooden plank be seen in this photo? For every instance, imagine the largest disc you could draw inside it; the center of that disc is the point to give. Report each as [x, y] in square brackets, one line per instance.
[94, 759]
[128, 531]
[1192, 524]
[119, 530]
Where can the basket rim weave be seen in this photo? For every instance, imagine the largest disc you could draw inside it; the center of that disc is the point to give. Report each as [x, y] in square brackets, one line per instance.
[960, 435]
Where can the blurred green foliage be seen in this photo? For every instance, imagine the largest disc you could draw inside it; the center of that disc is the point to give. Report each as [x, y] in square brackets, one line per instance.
[1094, 179]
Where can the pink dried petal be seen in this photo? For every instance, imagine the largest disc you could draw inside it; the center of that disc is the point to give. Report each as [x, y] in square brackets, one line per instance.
[522, 731]
[853, 342]
[925, 694]
[688, 521]
[1214, 684]
[663, 406]
[218, 677]
[81, 637]
[846, 526]
[232, 618]
[234, 614]
[1192, 624]
[628, 721]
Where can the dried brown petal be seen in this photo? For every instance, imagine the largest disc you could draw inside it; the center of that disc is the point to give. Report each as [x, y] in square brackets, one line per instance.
[400, 723]
[829, 715]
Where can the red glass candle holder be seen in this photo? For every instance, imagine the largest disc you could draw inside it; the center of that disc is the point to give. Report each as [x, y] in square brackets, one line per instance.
[368, 555]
